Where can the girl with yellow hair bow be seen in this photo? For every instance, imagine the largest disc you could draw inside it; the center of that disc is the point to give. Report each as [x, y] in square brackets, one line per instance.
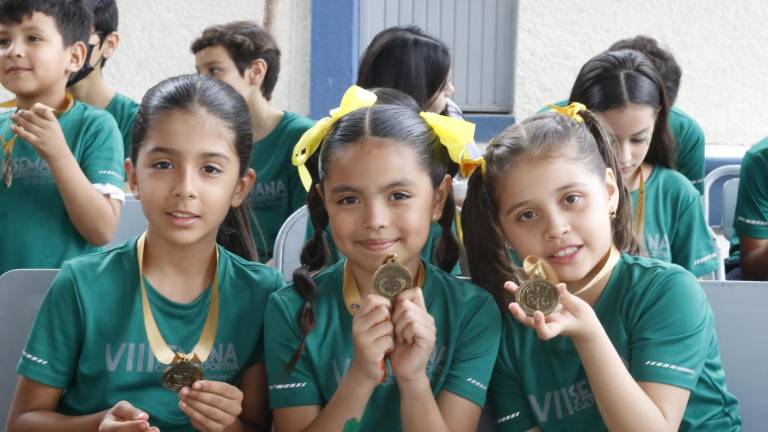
[381, 179]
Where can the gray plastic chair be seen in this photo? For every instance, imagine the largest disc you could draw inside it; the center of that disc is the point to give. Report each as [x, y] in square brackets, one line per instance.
[21, 294]
[132, 222]
[741, 324]
[728, 195]
[290, 239]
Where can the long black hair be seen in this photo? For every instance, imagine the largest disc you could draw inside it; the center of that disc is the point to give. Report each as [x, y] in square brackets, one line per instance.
[214, 97]
[398, 124]
[407, 59]
[615, 78]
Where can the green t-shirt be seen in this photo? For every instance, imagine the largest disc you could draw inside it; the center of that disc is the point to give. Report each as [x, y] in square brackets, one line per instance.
[89, 336]
[35, 229]
[468, 329]
[278, 191]
[124, 110]
[658, 319]
[675, 229]
[689, 143]
[751, 218]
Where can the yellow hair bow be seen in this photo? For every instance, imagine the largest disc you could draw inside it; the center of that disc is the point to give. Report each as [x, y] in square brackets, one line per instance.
[456, 134]
[572, 110]
[354, 98]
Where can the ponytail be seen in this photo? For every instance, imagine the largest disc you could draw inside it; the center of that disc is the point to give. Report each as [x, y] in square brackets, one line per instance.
[235, 234]
[314, 256]
[489, 262]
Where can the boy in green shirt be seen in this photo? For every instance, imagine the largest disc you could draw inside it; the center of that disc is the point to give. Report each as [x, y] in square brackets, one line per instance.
[749, 247]
[62, 177]
[245, 56]
[88, 83]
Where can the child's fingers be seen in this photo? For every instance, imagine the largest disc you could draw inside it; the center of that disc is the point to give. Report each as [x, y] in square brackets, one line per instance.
[200, 420]
[372, 302]
[218, 411]
[545, 330]
[26, 126]
[363, 323]
[124, 410]
[510, 286]
[217, 388]
[517, 312]
[384, 344]
[414, 295]
[43, 111]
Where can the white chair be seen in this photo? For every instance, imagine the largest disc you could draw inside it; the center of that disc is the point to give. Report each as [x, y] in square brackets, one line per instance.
[728, 197]
[132, 222]
[290, 239]
[741, 324]
[21, 294]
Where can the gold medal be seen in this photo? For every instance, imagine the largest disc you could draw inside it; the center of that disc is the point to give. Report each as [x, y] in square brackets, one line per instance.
[183, 369]
[391, 278]
[182, 372]
[537, 293]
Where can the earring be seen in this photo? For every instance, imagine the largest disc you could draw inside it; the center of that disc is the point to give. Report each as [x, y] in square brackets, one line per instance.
[435, 218]
[613, 214]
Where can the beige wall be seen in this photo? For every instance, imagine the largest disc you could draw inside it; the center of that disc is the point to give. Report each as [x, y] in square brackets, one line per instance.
[156, 35]
[722, 47]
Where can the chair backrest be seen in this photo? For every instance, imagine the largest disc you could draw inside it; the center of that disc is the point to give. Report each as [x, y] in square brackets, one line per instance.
[21, 294]
[132, 222]
[741, 324]
[716, 175]
[290, 239]
[730, 195]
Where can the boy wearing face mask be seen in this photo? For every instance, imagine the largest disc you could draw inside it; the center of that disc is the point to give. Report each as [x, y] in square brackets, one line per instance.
[88, 84]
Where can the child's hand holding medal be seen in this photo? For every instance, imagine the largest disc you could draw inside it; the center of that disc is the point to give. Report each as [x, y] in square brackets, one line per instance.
[414, 327]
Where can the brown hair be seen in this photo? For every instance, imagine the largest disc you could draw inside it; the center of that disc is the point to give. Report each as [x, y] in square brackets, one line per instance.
[543, 135]
[245, 41]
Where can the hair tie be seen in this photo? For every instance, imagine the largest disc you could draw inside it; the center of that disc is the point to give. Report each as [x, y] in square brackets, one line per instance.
[354, 98]
[456, 135]
[571, 111]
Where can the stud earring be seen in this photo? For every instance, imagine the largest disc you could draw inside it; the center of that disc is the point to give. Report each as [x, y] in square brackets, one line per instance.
[613, 214]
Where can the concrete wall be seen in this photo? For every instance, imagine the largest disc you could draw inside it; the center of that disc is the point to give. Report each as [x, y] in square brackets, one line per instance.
[722, 47]
[156, 35]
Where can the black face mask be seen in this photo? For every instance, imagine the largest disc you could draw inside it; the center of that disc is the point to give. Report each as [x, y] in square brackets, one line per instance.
[87, 68]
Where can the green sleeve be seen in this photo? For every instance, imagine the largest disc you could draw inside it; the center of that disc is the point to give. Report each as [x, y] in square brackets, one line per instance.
[509, 399]
[53, 348]
[287, 388]
[476, 349]
[670, 334]
[689, 139]
[102, 155]
[751, 217]
[691, 245]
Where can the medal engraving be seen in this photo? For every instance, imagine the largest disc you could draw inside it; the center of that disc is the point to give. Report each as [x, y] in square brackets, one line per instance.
[7, 172]
[537, 294]
[391, 279]
[182, 373]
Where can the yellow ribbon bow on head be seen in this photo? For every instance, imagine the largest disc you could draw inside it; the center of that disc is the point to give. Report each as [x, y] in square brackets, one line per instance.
[354, 98]
[572, 110]
[456, 135]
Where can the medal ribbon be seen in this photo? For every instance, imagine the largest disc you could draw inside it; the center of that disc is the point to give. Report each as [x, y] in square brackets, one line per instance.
[638, 221]
[536, 267]
[159, 347]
